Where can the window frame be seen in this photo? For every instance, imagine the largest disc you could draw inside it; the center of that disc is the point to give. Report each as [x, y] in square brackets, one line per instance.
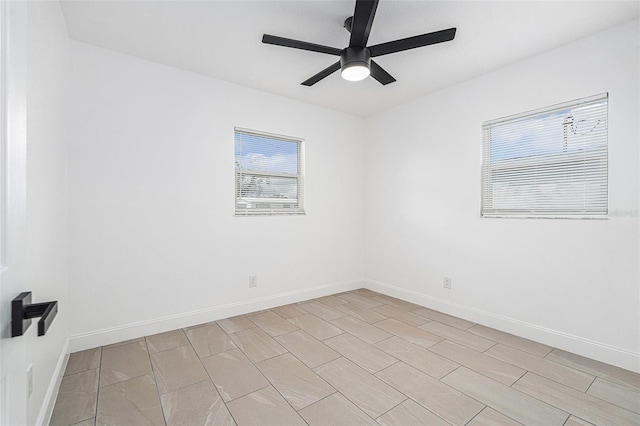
[486, 162]
[299, 176]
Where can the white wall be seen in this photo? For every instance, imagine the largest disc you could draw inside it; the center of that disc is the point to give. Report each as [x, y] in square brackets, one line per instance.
[569, 283]
[154, 244]
[47, 230]
[153, 232]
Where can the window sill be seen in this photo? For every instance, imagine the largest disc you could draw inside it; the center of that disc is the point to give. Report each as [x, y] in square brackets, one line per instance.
[502, 216]
[299, 213]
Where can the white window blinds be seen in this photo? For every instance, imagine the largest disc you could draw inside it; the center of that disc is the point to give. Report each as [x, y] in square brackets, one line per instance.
[268, 173]
[550, 162]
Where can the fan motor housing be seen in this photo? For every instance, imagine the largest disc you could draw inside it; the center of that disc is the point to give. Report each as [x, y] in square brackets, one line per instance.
[355, 56]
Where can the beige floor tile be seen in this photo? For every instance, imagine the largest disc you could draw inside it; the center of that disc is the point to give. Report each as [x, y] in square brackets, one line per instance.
[529, 346]
[335, 410]
[88, 422]
[417, 357]
[401, 315]
[318, 328]
[331, 301]
[367, 302]
[198, 404]
[490, 417]
[124, 362]
[369, 393]
[193, 327]
[489, 366]
[456, 335]
[85, 382]
[235, 324]
[125, 342]
[288, 311]
[209, 340]
[366, 356]
[596, 368]
[410, 413]
[256, 344]
[321, 310]
[367, 332]
[83, 361]
[177, 368]
[398, 303]
[409, 333]
[360, 312]
[307, 349]
[296, 382]
[273, 324]
[262, 311]
[233, 374]
[504, 399]
[622, 396]
[443, 318]
[342, 293]
[439, 398]
[365, 292]
[574, 421]
[350, 370]
[264, 408]
[132, 402]
[76, 399]
[169, 340]
[542, 367]
[584, 406]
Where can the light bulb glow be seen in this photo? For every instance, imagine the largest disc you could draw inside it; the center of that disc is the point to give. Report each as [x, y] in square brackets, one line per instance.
[355, 73]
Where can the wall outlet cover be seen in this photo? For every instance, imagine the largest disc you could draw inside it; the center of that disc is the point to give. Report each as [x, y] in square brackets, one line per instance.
[447, 282]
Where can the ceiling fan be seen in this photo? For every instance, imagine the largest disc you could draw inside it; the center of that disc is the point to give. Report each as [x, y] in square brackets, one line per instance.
[355, 60]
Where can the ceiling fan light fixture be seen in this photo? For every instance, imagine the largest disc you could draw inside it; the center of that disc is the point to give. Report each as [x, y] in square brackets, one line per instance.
[355, 72]
[355, 63]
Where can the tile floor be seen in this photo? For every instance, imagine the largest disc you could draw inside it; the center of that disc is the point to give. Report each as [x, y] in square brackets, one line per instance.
[349, 359]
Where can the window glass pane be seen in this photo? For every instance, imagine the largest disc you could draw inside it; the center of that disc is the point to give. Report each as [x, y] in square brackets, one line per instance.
[265, 154]
[268, 174]
[551, 162]
[567, 130]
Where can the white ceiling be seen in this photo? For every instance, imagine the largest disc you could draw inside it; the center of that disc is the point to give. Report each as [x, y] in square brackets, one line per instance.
[222, 39]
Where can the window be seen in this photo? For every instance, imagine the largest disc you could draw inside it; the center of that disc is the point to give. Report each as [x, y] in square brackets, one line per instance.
[268, 174]
[550, 162]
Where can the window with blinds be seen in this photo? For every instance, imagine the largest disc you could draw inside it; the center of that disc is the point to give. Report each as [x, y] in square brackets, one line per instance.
[550, 162]
[268, 172]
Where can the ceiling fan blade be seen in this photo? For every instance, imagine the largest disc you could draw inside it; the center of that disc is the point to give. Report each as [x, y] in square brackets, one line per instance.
[362, 22]
[412, 42]
[322, 74]
[380, 74]
[297, 44]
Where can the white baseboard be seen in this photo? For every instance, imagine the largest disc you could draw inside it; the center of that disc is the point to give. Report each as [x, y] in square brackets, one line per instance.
[111, 335]
[579, 345]
[44, 416]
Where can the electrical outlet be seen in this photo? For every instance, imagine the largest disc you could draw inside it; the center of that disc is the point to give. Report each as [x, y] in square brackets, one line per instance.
[253, 281]
[447, 282]
[29, 380]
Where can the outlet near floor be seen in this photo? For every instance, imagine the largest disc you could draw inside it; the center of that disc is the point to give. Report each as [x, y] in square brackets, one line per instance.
[253, 281]
[447, 283]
